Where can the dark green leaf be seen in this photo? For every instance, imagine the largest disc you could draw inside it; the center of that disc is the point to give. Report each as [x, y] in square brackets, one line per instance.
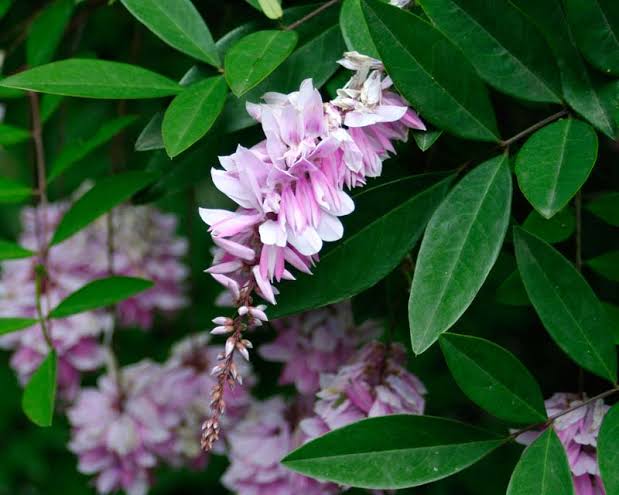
[5, 5]
[567, 306]
[612, 312]
[354, 29]
[460, 245]
[105, 195]
[10, 134]
[387, 222]
[40, 392]
[606, 207]
[595, 24]
[8, 325]
[254, 57]
[13, 192]
[554, 163]
[606, 265]
[93, 79]
[11, 251]
[151, 138]
[543, 469]
[557, 229]
[228, 40]
[425, 139]
[100, 293]
[46, 31]
[506, 50]
[49, 105]
[178, 23]
[493, 378]
[76, 151]
[512, 291]
[608, 450]
[439, 82]
[192, 113]
[391, 452]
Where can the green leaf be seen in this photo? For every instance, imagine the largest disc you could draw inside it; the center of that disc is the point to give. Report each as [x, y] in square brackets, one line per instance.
[104, 195]
[493, 378]
[255, 56]
[46, 31]
[151, 137]
[387, 220]
[506, 50]
[40, 392]
[192, 113]
[425, 139]
[606, 207]
[76, 151]
[8, 325]
[543, 469]
[439, 82]
[606, 265]
[608, 450]
[512, 292]
[178, 23]
[5, 5]
[581, 89]
[10, 134]
[99, 294]
[12, 251]
[89, 78]
[355, 30]
[391, 452]
[567, 306]
[460, 245]
[595, 24]
[49, 105]
[271, 8]
[13, 192]
[554, 163]
[556, 229]
[612, 312]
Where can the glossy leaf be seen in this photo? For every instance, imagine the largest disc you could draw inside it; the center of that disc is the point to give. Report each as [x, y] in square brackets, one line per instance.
[556, 229]
[512, 292]
[507, 51]
[13, 192]
[100, 293]
[76, 151]
[10, 135]
[179, 24]
[493, 378]
[606, 265]
[612, 311]
[554, 163]
[438, 82]
[46, 31]
[151, 138]
[8, 325]
[49, 105]
[595, 24]
[104, 195]
[89, 78]
[192, 113]
[40, 392]
[11, 251]
[355, 30]
[392, 452]
[387, 222]
[606, 207]
[425, 139]
[608, 450]
[567, 306]
[5, 5]
[255, 56]
[460, 245]
[543, 469]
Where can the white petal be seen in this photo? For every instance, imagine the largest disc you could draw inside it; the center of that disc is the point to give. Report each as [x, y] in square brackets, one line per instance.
[272, 233]
[330, 228]
[307, 243]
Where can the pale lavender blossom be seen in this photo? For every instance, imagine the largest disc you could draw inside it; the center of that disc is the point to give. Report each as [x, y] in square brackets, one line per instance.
[374, 382]
[316, 342]
[257, 445]
[578, 431]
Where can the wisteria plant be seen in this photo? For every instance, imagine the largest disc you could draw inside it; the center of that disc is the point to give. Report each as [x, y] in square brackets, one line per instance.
[353, 246]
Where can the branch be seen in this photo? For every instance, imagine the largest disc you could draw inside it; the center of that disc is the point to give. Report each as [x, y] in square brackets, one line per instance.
[533, 128]
[313, 13]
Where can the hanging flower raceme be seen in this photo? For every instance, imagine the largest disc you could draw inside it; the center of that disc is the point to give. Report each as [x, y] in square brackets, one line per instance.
[578, 431]
[316, 342]
[374, 382]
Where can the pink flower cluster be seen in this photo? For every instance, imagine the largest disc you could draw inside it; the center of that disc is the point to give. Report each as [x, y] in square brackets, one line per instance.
[578, 431]
[145, 245]
[149, 414]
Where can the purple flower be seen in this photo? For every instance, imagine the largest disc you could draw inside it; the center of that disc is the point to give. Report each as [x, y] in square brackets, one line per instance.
[578, 431]
[373, 383]
[316, 342]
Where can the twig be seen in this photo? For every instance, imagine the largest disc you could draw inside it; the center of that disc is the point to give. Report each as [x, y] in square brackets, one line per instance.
[313, 13]
[533, 128]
